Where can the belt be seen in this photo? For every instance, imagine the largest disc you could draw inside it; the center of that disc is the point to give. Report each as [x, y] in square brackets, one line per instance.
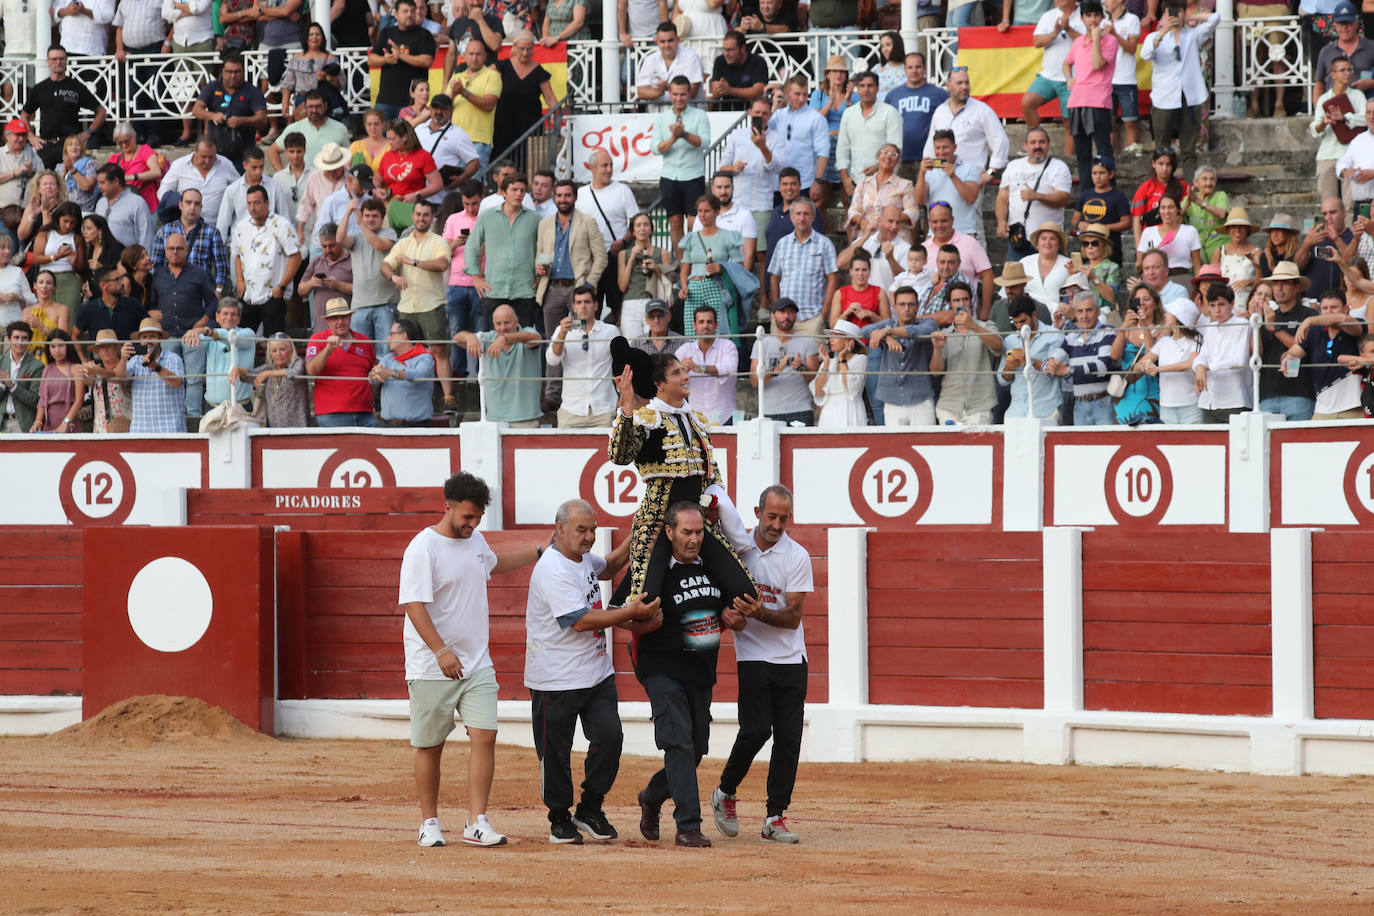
[1090, 397]
[558, 281]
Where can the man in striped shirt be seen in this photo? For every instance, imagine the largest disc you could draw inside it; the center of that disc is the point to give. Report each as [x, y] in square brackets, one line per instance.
[1089, 346]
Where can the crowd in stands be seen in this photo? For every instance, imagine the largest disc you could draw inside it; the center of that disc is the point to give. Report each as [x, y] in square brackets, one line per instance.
[847, 217]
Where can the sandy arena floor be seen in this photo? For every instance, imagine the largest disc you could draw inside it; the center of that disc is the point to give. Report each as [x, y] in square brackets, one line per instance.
[237, 823]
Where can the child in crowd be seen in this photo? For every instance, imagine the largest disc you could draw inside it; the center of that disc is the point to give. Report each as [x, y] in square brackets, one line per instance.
[1363, 366]
[916, 271]
[417, 112]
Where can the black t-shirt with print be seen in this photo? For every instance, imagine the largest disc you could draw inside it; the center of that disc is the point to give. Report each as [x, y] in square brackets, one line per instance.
[394, 84]
[686, 645]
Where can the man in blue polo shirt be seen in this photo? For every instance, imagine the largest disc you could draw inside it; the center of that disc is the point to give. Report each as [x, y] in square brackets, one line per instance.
[915, 102]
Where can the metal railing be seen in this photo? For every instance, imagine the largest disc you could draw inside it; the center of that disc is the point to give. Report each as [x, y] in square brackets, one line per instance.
[546, 141]
[662, 237]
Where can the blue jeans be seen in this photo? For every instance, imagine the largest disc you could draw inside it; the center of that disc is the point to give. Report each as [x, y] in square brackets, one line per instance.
[360, 418]
[465, 313]
[871, 379]
[1292, 408]
[1094, 413]
[389, 112]
[483, 153]
[1176, 416]
[194, 359]
[374, 322]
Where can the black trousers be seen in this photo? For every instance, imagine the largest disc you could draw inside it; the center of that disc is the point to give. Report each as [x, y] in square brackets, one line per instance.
[608, 290]
[682, 730]
[271, 314]
[555, 714]
[772, 699]
[1089, 126]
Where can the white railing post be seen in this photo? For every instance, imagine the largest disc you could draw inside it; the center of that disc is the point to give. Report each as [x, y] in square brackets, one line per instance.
[847, 617]
[758, 339]
[1248, 470]
[1023, 474]
[42, 40]
[1047, 740]
[1276, 745]
[610, 54]
[1223, 60]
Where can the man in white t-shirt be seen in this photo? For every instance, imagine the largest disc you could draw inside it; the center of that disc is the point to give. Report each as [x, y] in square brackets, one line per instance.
[770, 655]
[1124, 25]
[1221, 370]
[1035, 190]
[569, 673]
[1055, 34]
[733, 217]
[444, 577]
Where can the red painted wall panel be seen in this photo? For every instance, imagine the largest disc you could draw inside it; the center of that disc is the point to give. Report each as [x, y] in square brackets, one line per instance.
[41, 600]
[1343, 625]
[1171, 625]
[955, 619]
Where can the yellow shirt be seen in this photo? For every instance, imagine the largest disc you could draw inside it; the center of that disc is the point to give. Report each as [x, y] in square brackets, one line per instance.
[476, 123]
[357, 153]
[425, 289]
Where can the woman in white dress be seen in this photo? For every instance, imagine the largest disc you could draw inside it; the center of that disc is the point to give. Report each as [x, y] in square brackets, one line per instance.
[1237, 258]
[839, 385]
[1048, 269]
[705, 15]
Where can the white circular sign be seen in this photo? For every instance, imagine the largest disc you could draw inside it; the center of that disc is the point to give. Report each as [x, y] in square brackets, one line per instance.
[1138, 484]
[890, 487]
[97, 489]
[170, 604]
[1364, 482]
[617, 489]
[355, 473]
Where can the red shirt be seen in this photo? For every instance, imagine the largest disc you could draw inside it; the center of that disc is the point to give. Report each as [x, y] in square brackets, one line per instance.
[353, 358]
[867, 299]
[404, 173]
[1148, 194]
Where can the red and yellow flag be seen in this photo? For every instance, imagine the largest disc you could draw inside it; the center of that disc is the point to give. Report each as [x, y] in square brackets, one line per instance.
[554, 60]
[1002, 66]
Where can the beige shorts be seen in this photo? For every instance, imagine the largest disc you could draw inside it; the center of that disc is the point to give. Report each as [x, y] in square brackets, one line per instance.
[433, 703]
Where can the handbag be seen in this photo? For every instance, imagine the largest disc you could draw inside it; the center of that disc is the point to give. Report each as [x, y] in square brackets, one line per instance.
[1117, 384]
[1017, 239]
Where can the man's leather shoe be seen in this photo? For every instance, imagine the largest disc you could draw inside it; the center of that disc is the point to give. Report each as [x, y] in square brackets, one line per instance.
[648, 819]
[692, 838]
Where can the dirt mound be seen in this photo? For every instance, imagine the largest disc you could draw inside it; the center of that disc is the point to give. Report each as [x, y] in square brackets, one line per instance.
[141, 721]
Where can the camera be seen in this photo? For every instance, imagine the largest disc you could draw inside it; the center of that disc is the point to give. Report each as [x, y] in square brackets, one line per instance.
[140, 349]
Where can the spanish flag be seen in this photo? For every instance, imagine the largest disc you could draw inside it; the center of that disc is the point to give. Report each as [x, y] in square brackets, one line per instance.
[1002, 66]
[554, 60]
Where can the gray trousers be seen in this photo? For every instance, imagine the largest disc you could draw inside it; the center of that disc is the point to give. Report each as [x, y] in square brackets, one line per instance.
[682, 730]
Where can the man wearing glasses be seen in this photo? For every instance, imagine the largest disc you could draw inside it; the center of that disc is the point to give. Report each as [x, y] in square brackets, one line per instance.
[582, 345]
[226, 348]
[184, 294]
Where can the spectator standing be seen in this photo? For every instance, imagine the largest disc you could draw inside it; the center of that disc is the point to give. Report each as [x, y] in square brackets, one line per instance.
[110, 309]
[343, 396]
[1171, 361]
[475, 92]
[510, 369]
[192, 31]
[1355, 168]
[1237, 257]
[1088, 346]
[1291, 396]
[463, 306]
[15, 292]
[124, 211]
[637, 19]
[62, 251]
[1350, 44]
[932, 297]
[369, 241]
[471, 23]
[611, 205]
[499, 255]
[318, 129]
[806, 139]
[406, 376]
[403, 53]
[784, 363]
[84, 29]
[880, 189]
[1095, 267]
[234, 350]
[1055, 32]
[978, 132]
[206, 170]
[59, 99]
[832, 99]
[1048, 267]
[780, 220]
[1103, 205]
[738, 77]
[905, 387]
[864, 129]
[1034, 191]
[565, 20]
[1178, 88]
[1221, 369]
[951, 180]
[541, 192]
[712, 362]
[234, 111]
[753, 154]
[329, 177]
[1022, 12]
[966, 351]
[335, 209]
[112, 399]
[158, 401]
[18, 163]
[1089, 68]
[47, 314]
[770, 17]
[658, 337]
[838, 388]
[20, 375]
[448, 145]
[916, 101]
[681, 136]
[77, 171]
[61, 390]
[804, 270]
[1334, 128]
[266, 257]
[973, 260]
[1154, 273]
[205, 245]
[1044, 352]
[233, 206]
[280, 386]
[582, 345]
[296, 174]
[732, 217]
[1163, 181]
[886, 249]
[419, 265]
[185, 296]
[1124, 26]
[142, 165]
[643, 268]
[1319, 255]
[1141, 328]
[658, 69]
[1179, 241]
[1332, 337]
[329, 275]
[569, 257]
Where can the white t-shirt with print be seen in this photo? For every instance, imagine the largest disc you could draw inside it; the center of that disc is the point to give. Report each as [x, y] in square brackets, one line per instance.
[557, 657]
[784, 567]
[449, 577]
[1176, 389]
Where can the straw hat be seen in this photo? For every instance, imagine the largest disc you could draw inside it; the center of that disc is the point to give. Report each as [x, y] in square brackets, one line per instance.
[337, 307]
[837, 62]
[150, 326]
[1282, 221]
[1238, 217]
[106, 336]
[1050, 227]
[1287, 270]
[845, 328]
[1097, 231]
[1013, 274]
[331, 156]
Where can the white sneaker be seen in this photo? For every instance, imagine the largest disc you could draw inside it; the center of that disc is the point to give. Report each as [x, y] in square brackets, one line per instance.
[431, 834]
[723, 806]
[1135, 149]
[775, 830]
[482, 833]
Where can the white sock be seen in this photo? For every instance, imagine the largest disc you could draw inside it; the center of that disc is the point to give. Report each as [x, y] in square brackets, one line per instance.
[431, 822]
[482, 819]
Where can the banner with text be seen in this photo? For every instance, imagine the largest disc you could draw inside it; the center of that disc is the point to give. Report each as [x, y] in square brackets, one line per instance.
[629, 138]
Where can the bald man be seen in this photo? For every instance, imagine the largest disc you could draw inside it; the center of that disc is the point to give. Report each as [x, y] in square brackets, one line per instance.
[611, 205]
[511, 369]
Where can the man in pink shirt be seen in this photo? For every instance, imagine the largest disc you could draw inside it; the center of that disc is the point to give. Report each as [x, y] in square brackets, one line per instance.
[973, 259]
[1089, 67]
[464, 306]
